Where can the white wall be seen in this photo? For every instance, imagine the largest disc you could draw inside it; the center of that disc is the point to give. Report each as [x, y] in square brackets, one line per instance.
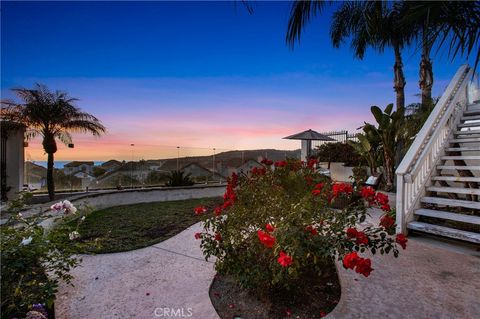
[338, 172]
[15, 162]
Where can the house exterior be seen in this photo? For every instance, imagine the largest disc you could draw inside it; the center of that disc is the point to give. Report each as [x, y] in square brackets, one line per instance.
[85, 179]
[78, 166]
[111, 165]
[246, 167]
[200, 173]
[12, 160]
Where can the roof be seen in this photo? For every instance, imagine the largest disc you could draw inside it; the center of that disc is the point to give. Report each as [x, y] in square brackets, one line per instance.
[309, 135]
[78, 163]
[111, 162]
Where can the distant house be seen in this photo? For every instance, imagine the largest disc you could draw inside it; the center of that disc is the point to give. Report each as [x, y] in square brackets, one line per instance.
[200, 173]
[78, 166]
[35, 176]
[246, 167]
[111, 165]
[85, 178]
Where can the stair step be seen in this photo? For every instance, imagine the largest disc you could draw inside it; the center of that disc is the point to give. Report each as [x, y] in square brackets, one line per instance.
[470, 118]
[451, 202]
[471, 112]
[454, 190]
[461, 157]
[467, 132]
[459, 168]
[456, 179]
[476, 124]
[469, 219]
[463, 149]
[445, 231]
[466, 140]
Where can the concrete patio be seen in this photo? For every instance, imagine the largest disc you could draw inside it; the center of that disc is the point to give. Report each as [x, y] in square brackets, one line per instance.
[426, 281]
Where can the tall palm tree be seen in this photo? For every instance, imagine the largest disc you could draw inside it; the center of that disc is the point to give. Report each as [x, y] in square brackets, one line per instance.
[453, 25]
[53, 115]
[367, 24]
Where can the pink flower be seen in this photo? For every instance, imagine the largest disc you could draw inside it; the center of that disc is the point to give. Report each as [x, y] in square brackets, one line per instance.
[284, 259]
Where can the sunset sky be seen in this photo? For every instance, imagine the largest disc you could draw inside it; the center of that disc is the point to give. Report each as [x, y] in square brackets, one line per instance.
[196, 75]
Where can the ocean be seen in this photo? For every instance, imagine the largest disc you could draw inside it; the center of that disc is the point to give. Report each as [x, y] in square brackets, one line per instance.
[60, 164]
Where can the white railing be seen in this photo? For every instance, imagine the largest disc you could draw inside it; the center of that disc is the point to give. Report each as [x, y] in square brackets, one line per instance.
[419, 163]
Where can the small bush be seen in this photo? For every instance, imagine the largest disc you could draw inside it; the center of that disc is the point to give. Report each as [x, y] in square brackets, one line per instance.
[32, 265]
[177, 178]
[277, 227]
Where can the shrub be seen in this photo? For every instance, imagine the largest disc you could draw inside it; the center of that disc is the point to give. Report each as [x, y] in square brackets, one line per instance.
[33, 263]
[277, 227]
[177, 178]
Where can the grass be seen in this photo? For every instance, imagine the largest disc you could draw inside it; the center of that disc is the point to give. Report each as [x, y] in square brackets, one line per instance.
[129, 227]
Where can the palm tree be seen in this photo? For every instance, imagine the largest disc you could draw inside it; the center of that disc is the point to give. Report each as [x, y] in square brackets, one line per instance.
[53, 115]
[454, 25]
[368, 24]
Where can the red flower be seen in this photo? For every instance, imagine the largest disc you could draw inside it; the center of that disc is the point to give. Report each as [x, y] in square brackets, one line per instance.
[218, 237]
[200, 210]
[381, 199]
[401, 240]
[227, 204]
[364, 267]
[319, 186]
[322, 314]
[266, 239]
[316, 192]
[368, 193]
[311, 230]
[198, 235]
[258, 171]
[385, 208]
[266, 162]
[233, 180]
[280, 164]
[387, 221]
[218, 210]
[350, 260]
[311, 162]
[269, 228]
[288, 312]
[342, 188]
[362, 238]
[309, 180]
[352, 232]
[284, 259]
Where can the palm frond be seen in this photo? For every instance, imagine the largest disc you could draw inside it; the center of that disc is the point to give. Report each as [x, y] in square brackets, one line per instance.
[300, 14]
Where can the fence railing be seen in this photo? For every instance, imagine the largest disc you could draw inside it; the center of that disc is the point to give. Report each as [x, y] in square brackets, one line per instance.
[137, 165]
[341, 136]
[419, 163]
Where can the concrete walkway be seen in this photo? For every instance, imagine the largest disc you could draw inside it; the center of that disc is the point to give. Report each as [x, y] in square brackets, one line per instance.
[426, 281]
[161, 281]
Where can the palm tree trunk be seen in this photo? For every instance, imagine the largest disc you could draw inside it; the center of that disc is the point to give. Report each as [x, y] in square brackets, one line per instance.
[399, 79]
[50, 182]
[426, 71]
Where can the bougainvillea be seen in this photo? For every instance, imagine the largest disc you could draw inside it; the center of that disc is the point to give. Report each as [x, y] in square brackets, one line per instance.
[281, 222]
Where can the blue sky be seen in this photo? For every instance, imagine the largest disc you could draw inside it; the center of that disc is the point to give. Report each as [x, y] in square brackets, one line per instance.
[197, 74]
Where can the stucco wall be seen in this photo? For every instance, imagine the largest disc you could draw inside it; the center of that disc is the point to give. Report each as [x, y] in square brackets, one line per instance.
[15, 162]
[338, 172]
[106, 199]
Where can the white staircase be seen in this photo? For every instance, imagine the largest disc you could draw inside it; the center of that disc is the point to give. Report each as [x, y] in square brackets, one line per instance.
[438, 181]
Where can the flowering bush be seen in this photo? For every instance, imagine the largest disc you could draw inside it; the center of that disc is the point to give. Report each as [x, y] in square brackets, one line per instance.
[277, 226]
[28, 253]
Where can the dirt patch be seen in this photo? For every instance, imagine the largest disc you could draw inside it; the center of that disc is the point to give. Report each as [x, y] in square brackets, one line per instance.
[317, 298]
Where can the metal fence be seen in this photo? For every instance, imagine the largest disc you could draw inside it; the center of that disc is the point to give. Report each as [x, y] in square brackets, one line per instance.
[110, 166]
[341, 136]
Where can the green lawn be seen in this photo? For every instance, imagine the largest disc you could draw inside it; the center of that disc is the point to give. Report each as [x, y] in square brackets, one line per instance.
[135, 226]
